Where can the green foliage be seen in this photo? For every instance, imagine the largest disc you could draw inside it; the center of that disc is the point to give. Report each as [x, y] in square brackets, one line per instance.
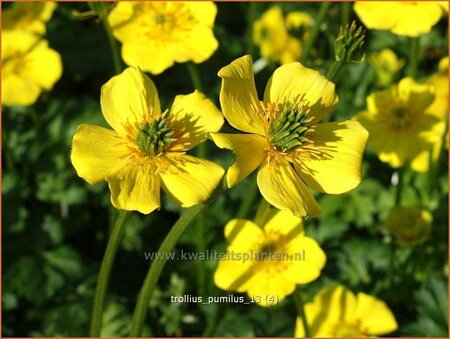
[55, 225]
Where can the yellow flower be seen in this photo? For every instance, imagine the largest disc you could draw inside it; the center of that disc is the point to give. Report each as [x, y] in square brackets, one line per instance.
[336, 312]
[29, 67]
[399, 124]
[285, 138]
[280, 39]
[410, 18]
[147, 148]
[409, 225]
[28, 16]
[438, 108]
[154, 35]
[386, 65]
[267, 262]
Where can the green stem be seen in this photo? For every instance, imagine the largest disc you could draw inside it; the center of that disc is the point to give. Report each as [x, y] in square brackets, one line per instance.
[213, 321]
[157, 265]
[102, 11]
[331, 74]
[250, 18]
[201, 223]
[346, 8]
[298, 300]
[414, 57]
[397, 202]
[195, 76]
[105, 273]
[249, 199]
[399, 188]
[325, 6]
[262, 212]
[201, 236]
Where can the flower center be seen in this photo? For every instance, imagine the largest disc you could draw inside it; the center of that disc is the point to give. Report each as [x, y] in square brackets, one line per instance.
[267, 251]
[154, 137]
[164, 21]
[289, 128]
[401, 118]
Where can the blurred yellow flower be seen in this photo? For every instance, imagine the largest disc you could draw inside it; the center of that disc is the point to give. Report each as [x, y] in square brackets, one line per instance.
[438, 108]
[280, 39]
[410, 18]
[284, 137]
[409, 225]
[399, 124]
[386, 64]
[154, 35]
[147, 148]
[267, 262]
[29, 66]
[28, 16]
[336, 312]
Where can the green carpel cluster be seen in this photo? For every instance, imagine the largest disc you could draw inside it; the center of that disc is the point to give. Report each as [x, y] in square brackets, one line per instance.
[155, 137]
[288, 129]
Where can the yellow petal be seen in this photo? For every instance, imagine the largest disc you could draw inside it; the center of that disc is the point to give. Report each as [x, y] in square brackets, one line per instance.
[294, 83]
[137, 54]
[120, 19]
[284, 222]
[267, 286]
[96, 151]
[19, 91]
[43, 65]
[29, 16]
[190, 180]
[415, 95]
[335, 165]
[282, 188]
[235, 273]
[337, 305]
[378, 14]
[238, 97]
[241, 234]
[192, 117]
[203, 11]
[308, 260]
[417, 18]
[374, 315]
[331, 314]
[198, 46]
[28, 67]
[129, 98]
[270, 33]
[134, 188]
[249, 151]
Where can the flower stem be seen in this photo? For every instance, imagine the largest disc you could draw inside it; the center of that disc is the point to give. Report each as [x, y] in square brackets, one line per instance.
[262, 212]
[414, 57]
[157, 265]
[298, 300]
[105, 272]
[397, 202]
[325, 6]
[102, 11]
[346, 8]
[246, 205]
[399, 188]
[195, 76]
[201, 223]
[250, 18]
